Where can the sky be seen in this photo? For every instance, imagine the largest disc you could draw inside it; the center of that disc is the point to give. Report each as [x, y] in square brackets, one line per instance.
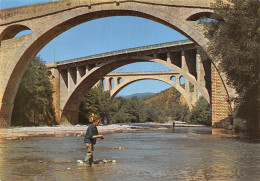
[104, 35]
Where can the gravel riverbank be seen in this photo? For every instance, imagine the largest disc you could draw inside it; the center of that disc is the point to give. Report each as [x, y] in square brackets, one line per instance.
[79, 130]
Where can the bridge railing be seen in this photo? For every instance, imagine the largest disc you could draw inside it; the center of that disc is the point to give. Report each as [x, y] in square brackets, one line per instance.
[129, 50]
[142, 72]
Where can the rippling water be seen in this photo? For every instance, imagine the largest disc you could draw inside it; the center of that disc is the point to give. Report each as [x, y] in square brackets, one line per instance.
[182, 154]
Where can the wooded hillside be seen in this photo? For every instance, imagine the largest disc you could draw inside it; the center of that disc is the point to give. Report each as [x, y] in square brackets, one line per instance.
[166, 99]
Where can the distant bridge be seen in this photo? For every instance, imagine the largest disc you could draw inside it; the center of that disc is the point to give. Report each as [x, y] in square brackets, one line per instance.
[116, 81]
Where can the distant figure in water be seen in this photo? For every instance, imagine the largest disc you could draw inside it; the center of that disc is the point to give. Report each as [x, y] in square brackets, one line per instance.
[91, 137]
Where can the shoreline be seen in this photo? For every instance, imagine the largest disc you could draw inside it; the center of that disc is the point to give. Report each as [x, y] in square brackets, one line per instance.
[79, 130]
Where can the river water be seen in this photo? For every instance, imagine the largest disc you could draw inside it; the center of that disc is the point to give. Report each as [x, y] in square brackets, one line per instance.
[183, 154]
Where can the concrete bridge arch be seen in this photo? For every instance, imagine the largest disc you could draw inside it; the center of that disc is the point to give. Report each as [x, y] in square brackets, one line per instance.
[48, 20]
[73, 91]
[181, 90]
[189, 95]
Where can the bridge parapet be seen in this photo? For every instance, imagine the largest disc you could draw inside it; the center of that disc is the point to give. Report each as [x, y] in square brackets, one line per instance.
[129, 50]
[23, 13]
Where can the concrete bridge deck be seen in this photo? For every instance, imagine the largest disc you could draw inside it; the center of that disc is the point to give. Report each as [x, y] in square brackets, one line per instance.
[129, 50]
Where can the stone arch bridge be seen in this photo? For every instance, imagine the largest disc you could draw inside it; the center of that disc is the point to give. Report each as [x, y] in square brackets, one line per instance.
[48, 20]
[116, 81]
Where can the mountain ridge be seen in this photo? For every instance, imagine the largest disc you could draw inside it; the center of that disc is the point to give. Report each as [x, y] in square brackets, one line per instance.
[139, 95]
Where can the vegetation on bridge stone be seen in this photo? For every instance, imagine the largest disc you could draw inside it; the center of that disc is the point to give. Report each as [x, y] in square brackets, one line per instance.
[234, 42]
[33, 102]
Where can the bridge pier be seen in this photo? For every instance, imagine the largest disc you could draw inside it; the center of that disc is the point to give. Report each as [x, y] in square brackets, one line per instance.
[184, 65]
[6, 110]
[56, 87]
[69, 117]
[108, 85]
[178, 80]
[71, 78]
[220, 105]
[200, 71]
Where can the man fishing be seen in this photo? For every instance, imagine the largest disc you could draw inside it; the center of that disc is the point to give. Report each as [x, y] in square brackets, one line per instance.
[90, 138]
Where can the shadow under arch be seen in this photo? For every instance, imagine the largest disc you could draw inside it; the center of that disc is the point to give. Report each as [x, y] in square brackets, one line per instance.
[197, 16]
[51, 29]
[12, 30]
[173, 84]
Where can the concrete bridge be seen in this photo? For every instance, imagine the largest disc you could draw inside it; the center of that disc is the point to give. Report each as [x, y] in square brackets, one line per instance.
[73, 78]
[114, 82]
[16, 53]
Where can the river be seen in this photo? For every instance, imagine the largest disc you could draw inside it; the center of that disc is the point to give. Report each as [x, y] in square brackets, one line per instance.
[179, 154]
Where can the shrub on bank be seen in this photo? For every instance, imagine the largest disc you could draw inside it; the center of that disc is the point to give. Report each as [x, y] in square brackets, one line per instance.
[201, 113]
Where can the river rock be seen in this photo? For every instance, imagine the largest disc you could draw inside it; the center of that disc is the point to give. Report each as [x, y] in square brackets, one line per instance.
[80, 161]
[120, 148]
[104, 161]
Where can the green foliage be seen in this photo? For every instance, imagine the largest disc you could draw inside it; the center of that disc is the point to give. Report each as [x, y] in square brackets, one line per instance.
[118, 110]
[171, 104]
[201, 113]
[97, 101]
[130, 110]
[166, 99]
[134, 110]
[235, 44]
[33, 102]
[156, 114]
[181, 113]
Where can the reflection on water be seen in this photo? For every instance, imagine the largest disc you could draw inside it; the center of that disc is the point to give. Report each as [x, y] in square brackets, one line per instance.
[179, 154]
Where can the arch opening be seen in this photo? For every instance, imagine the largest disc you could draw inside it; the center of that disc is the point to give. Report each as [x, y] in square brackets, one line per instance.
[173, 78]
[127, 36]
[111, 81]
[200, 15]
[182, 81]
[119, 80]
[104, 83]
[15, 31]
[142, 86]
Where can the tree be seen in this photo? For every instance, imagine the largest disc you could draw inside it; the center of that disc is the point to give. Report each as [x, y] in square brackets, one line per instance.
[97, 101]
[234, 42]
[33, 101]
[201, 113]
[180, 112]
[156, 114]
[130, 110]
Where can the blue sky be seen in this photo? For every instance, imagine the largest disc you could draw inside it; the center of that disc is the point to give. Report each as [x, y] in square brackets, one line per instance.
[108, 34]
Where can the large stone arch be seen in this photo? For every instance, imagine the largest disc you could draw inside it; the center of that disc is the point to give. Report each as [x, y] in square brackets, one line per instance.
[49, 20]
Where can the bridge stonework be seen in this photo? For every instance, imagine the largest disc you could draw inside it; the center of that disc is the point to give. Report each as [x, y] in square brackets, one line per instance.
[221, 107]
[48, 20]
